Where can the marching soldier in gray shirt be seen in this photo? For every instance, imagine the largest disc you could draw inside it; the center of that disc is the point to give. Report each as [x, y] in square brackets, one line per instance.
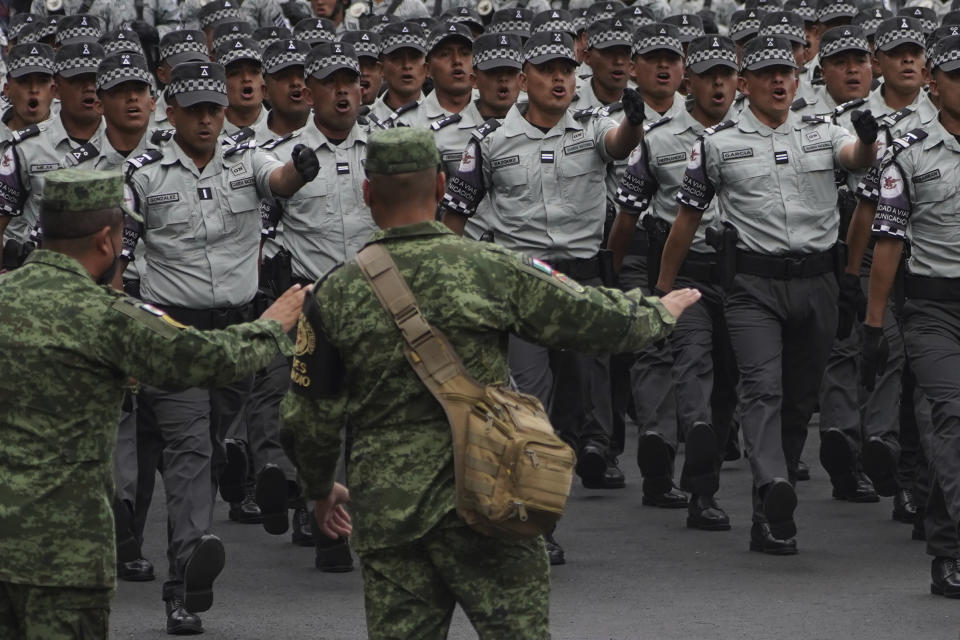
[781, 286]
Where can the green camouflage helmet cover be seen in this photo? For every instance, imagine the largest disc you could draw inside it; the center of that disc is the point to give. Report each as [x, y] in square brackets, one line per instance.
[401, 150]
[84, 190]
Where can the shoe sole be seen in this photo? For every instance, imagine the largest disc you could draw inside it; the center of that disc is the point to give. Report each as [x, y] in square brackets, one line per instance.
[692, 524]
[772, 552]
[205, 564]
[591, 467]
[778, 507]
[836, 456]
[653, 456]
[234, 474]
[652, 502]
[905, 518]
[136, 577]
[939, 591]
[591, 483]
[880, 464]
[271, 497]
[701, 456]
[184, 630]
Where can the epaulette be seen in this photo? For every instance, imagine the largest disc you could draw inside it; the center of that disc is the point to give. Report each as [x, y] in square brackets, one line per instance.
[799, 103]
[161, 135]
[243, 146]
[270, 144]
[413, 104]
[139, 161]
[585, 114]
[486, 129]
[363, 111]
[85, 152]
[846, 106]
[903, 142]
[25, 134]
[242, 135]
[613, 107]
[362, 120]
[812, 119]
[650, 126]
[893, 118]
[443, 122]
[726, 124]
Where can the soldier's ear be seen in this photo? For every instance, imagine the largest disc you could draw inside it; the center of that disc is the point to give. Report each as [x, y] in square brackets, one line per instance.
[441, 185]
[523, 81]
[307, 95]
[934, 88]
[742, 85]
[366, 193]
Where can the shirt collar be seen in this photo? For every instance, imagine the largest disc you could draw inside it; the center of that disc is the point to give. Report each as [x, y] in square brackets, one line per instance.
[749, 123]
[357, 135]
[515, 124]
[415, 230]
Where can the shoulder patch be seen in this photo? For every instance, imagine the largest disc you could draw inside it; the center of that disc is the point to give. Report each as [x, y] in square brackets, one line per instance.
[25, 134]
[486, 129]
[893, 118]
[242, 134]
[613, 107]
[902, 143]
[847, 106]
[240, 148]
[544, 271]
[586, 114]
[402, 109]
[270, 144]
[650, 126]
[161, 135]
[726, 124]
[149, 316]
[799, 104]
[811, 119]
[138, 162]
[448, 120]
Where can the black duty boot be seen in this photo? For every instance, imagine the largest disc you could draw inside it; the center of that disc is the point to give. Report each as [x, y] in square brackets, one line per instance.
[234, 474]
[554, 550]
[904, 507]
[302, 533]
[181, 622]
[944, 580]
[246, 512]
[271, 496]
[762, 539]
[202, 568]
[705, 514]
[333, 556]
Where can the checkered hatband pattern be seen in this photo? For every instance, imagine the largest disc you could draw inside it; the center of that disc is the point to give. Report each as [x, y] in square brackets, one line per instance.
[598, 39]
[656, 42]
[366, 48]
[767, 54]
[837, 9]
[943, 57]
[182, 47]
[88, 64]
[190, 85]
[556, 25]
[400, 40]
[220, 15]
[124, 74]
[92, 33]
[510, 26]
[500, 53]
[285, 59]
[122, 46]
[841, 44]
[332, 61]
[548, 50]
[744, 26]
[30, 61]
[783, 30]
[870, 25]
[883, 39]
[239, 54]
[314, 36]
[705, 55]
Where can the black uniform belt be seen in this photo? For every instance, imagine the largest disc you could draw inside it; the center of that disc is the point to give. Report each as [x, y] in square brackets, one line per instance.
[578, 268]
[786, 267]
[639, 244]
[699, 266]
[946, 289]
[206, 319]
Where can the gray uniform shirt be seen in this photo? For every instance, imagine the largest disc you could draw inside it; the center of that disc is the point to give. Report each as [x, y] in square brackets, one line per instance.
[386, 117]
[229, 128]
[920, 200]
[546, 190]
[162, 14]
[201, 230]
[776, 186]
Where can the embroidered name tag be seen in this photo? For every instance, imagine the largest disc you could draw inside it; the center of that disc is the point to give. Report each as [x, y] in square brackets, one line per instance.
[737, 154]
[820, 146]
[452, 157]
[580, 146]
[237, 169]
[926, 177]
[673, 157]
[500, 163]
[47, 166]
[162, 198]
[242, 182]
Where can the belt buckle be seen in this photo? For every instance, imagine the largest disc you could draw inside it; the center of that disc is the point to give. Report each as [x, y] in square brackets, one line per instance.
[794, 267]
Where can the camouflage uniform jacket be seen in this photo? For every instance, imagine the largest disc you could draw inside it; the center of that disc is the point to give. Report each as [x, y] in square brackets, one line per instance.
[67, 349]
[477, 293]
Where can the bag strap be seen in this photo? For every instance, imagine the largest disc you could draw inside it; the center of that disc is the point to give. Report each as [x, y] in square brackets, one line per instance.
[430, 353]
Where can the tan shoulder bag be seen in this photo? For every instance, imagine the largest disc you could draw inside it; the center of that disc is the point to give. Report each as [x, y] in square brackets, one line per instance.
[513, 474]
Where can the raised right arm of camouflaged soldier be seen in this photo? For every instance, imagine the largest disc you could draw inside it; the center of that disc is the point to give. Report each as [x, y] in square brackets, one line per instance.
[150, 346]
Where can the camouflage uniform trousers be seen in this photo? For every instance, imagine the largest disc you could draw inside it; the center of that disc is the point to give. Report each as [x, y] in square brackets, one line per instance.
[502, 585]
[29, 612]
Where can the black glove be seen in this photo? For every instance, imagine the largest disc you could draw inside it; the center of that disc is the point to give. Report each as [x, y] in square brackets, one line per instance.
[305, 162]
[633, 106]
[873, 361]
[865, 125]
[851, 304]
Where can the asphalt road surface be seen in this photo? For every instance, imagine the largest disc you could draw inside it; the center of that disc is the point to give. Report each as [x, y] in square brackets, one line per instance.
[632, 573]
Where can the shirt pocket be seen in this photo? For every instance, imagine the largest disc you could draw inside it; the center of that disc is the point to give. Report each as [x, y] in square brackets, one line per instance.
[817, 183]
[168, 214]
[747, 186]
[511, 191]
[580, 176]
[935, 210]
[243, 207]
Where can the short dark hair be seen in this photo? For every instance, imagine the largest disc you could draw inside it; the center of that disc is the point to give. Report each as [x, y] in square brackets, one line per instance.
[72, 224]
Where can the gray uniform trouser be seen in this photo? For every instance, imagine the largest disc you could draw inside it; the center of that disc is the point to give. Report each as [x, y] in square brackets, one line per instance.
[651, 379]
[704, 368]
[125, 470]
[846, 405]
[260, 424]
[932, 337]
[575, 388]
[181, 433]
[781, 332]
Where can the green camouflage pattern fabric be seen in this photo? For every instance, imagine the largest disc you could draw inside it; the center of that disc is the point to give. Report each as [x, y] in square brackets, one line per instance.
[68, 347]
[53, 613]
[502, 585]
[477, 293]
[401, 150]
[84, 190]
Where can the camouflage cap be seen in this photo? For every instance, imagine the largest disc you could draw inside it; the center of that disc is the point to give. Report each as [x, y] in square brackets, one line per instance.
[401, 150]
[79, 190]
